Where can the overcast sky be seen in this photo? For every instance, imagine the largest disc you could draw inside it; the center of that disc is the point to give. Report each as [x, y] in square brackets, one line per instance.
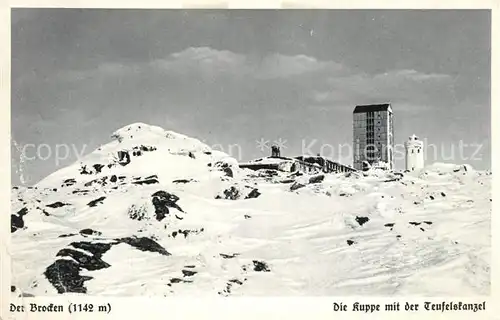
[234, 77]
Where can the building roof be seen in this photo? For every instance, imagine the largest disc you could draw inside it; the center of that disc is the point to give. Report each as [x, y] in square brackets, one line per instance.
[372, 107]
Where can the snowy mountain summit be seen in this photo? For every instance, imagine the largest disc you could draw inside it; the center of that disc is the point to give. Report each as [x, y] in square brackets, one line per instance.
[155, 212]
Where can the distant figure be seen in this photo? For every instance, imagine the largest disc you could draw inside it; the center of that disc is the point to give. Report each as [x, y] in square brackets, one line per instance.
[275, 151]
[414, 153]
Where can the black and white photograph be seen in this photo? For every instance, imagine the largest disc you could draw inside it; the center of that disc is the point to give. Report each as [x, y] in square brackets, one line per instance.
[250, 153]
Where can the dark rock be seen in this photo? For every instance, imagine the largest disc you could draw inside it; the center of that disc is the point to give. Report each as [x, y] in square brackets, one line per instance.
[85, 261]
[16, 222]
[398, 236]
[431, 197]
[65, 276]
[443, 194]
[162, 201]
[188, 273]
[174, 234]
[190, 266]
[136, 213]
[350, 242]
[95, 202]
[317, 179]
[414, 223]
[147, 181]
[123, 158]
[54, 189]
[45, 213]
[177, 280]
[362, 220]
[228, 172]
[12, 288]
[145, 244]
[253, 194]
[191, 155]
[221, 164]
[22, 212]
[260, 266]
[98, 167]
[287, 181]
[147, 148]
[113, 179]
[422, 229]
[230, 194]
[236, 281]
[389, 225]
[229, 256]
[207, 152]
[80, 191]
[83, 170]
[182, 181]
[57, 204]
[90, 232]
[247, 216]
[67, 235]
[101, 182]
[296, 186]
[428, 222]
[96, 248]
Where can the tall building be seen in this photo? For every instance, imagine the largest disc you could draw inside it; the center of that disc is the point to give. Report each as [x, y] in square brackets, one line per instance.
[414, 153]
[373, 135]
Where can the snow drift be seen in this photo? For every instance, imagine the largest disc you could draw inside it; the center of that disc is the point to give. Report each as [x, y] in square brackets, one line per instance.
[155, 212]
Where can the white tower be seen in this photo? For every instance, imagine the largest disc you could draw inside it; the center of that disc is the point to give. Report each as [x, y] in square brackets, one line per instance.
[414, 153]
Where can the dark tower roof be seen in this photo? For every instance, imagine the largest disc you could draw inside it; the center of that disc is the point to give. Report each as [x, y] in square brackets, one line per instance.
[372, 107]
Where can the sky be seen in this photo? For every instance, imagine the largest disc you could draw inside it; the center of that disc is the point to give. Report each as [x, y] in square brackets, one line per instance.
[241, 80]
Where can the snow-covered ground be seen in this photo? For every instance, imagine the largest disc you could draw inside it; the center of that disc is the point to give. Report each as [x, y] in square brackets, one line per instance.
[177, 218]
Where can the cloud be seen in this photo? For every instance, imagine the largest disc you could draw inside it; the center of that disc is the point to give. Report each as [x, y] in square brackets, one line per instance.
[283, 66]
[406, 87]
[204, 60]
[309, 80]
[407, 74]
[209, 61]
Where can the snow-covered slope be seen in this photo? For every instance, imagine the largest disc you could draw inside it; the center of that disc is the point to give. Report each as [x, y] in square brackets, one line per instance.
[158, 213]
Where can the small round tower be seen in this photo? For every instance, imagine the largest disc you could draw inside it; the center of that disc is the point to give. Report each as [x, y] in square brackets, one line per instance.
[414, 153]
